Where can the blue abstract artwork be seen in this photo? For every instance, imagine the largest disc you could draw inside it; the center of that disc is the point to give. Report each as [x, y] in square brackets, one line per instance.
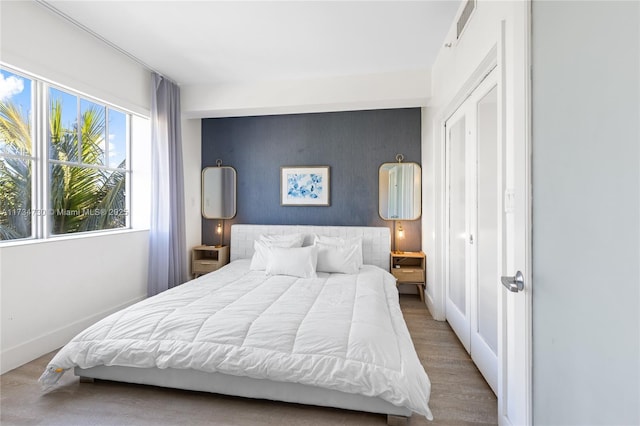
[305, 186]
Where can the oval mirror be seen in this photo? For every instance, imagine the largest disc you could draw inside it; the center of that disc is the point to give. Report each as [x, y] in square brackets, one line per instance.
[218, 192]
[400, 191]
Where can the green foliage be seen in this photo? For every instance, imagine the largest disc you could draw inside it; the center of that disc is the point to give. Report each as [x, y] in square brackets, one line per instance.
[81, 198]
[15, 173]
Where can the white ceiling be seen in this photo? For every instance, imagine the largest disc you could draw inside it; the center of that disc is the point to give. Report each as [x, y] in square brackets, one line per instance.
[213, 42]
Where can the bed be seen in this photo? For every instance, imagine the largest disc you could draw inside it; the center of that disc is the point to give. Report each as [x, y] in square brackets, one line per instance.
[328, 339]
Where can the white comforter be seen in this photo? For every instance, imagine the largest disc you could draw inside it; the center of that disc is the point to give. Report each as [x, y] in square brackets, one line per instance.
[343, 332]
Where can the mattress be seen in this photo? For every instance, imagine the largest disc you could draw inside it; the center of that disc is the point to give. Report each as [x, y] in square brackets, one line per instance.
[342, 332]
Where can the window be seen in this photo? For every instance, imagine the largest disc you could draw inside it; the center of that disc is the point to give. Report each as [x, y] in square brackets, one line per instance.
[87, 145]
[65, 171]
[16, 156]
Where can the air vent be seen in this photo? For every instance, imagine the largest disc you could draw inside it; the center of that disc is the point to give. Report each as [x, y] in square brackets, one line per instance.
[464, 16]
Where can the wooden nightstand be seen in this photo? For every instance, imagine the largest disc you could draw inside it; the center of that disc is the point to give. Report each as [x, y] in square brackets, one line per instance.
[205, 259]
[410, 267]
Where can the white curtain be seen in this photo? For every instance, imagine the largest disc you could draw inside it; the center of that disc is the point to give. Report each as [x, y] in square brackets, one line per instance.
[167, 247]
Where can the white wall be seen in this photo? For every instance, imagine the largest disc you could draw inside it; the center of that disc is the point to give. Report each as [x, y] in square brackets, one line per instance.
[362, 92]
[586, 214]
[50, 290]
[191, 157]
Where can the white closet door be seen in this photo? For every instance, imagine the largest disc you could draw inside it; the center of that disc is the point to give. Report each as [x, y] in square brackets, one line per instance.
[484, 289]
[457, 287]
[473, 219]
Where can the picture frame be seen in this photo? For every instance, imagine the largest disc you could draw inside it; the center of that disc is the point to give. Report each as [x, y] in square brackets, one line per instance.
[304, 186]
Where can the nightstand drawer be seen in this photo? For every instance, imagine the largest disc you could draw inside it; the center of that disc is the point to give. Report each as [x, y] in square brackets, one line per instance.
[204, 266]
[411, 275]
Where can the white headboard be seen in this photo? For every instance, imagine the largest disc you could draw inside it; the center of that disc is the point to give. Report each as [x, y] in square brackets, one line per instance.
[376, 241]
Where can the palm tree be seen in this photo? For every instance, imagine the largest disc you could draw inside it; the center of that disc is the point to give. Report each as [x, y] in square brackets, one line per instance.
[78, 194]
[15, 173]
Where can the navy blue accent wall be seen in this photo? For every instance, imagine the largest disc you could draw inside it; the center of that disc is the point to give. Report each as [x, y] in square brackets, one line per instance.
[353, 144]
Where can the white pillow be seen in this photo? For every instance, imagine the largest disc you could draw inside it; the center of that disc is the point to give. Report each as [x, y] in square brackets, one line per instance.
[340, 259]
[297, 261]
[286, 240]
[335, 254]
[264, 242]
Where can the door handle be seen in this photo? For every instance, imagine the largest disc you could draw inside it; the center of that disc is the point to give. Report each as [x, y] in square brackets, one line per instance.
[515, 283]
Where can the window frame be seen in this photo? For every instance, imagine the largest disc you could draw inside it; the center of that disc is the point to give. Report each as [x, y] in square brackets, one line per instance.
[41, 211]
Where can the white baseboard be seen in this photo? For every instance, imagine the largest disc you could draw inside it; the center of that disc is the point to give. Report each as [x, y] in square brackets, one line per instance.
[435, 313]
[28, 351]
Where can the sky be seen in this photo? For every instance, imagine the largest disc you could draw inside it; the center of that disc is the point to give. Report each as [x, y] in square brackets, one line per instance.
[17, 89]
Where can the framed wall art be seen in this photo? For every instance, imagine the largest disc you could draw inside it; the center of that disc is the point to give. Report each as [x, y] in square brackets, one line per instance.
[304, 186]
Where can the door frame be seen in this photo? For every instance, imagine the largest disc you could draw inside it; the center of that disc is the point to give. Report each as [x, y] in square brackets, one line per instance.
[520, 65]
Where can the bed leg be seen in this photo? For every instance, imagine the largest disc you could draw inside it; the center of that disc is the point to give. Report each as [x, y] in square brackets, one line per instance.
[397, 420]
[86, 379]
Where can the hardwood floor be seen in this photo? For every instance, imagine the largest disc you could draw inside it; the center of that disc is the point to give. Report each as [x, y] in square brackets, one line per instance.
[459, 394]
